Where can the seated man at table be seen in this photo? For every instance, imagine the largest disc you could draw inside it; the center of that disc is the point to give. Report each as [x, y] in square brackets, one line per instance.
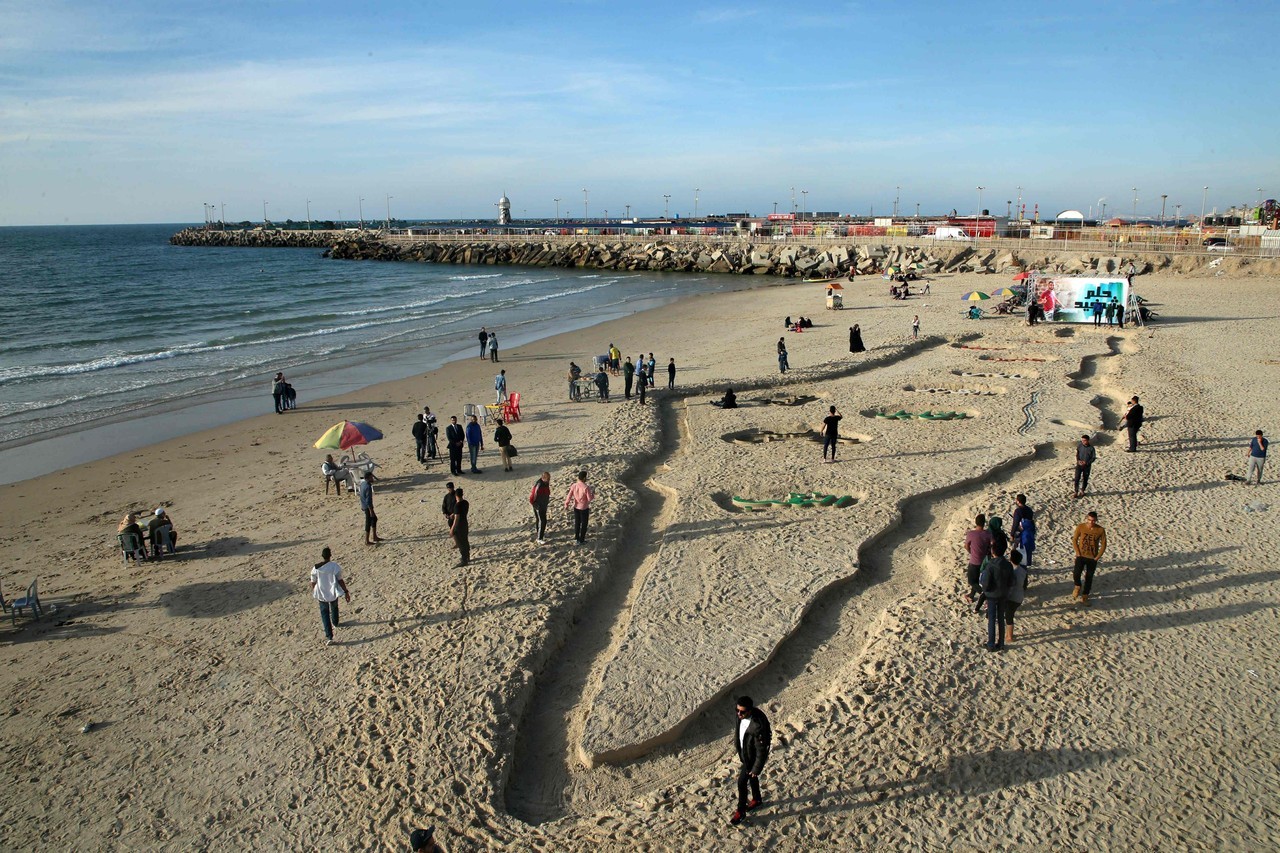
[338, 474]
[161, 534]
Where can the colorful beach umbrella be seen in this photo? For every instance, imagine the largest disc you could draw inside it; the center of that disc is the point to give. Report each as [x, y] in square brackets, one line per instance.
[974, 296]
[346, 435]
[1022, 276]
[1002, 293]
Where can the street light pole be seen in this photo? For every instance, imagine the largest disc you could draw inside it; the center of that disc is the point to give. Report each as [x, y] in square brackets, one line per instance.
[264, 213]
[695, 202]
[775, 208]
[557, 201]
[897, 194]
[1102, 207]
[1163, 198]
[628, 211]
[917, 210]
[793, 201]
[1019, 204]
[361, 213]
[389, 212]
[308, 214]
[1204, 198]
[666, 210]
[1135, 205]
[1177, 213]
[584, 204]
[804, 202]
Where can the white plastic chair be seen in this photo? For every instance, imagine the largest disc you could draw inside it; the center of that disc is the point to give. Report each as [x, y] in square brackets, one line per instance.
[476, 409]
[31, 601]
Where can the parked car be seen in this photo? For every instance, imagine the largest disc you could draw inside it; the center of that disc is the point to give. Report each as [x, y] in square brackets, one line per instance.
[1218, 244]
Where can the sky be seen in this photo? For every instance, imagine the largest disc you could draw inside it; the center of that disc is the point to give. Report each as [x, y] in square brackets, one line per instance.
[131, 111]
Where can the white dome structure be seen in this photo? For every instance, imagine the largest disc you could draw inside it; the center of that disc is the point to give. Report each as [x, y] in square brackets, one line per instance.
[504, 209]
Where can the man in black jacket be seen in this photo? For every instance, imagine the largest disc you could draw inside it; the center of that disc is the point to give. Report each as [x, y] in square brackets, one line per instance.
[455, 437]
[420, 438]
[1133, 422]
[751, 737]
[449, 504]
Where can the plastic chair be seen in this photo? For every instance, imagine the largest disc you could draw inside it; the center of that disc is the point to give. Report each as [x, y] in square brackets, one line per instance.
[511, 411]
[477, 410]
[131, 545]
[31, 601]
[162, 542]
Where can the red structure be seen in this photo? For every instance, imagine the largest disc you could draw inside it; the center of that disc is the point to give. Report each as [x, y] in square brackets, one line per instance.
[975, 226]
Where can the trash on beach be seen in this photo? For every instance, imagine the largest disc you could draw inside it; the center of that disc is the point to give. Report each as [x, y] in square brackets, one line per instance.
[1256, 506]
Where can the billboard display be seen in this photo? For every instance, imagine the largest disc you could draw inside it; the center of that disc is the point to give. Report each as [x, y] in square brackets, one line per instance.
[1067, 299]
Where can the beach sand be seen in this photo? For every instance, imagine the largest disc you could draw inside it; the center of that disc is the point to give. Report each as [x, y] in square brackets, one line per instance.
[579, 698]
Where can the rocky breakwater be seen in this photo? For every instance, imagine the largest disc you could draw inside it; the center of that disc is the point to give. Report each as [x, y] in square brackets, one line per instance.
[256, 239]
[743, 257]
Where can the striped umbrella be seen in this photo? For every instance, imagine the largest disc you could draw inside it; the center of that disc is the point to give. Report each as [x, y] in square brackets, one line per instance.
[975, 296]
[346, 435]
[1002, 293]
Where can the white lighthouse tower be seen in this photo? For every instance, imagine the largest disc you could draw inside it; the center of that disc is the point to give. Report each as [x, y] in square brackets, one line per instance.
[504, 210]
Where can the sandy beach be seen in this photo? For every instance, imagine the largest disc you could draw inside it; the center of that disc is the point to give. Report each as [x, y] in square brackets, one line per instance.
[581, 698]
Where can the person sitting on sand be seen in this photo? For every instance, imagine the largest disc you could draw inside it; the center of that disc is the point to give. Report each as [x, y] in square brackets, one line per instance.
[730, 400]
[786, 324]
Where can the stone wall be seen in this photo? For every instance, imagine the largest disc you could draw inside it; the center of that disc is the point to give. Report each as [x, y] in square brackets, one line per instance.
[315, 239]
[734, 256]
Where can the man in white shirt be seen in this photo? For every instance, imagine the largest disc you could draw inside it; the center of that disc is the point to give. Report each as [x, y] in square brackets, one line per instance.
[327, 585]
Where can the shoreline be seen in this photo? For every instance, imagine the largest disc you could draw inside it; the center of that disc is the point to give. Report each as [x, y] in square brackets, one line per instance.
[45, 453]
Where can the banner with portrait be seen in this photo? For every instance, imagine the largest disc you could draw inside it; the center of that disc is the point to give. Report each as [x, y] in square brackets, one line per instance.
[1067, 299]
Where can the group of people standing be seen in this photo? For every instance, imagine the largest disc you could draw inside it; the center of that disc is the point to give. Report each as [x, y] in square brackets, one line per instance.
[1112, 312]
[488, 344]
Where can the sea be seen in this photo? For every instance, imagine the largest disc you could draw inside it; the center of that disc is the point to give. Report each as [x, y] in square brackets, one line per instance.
[112, 339]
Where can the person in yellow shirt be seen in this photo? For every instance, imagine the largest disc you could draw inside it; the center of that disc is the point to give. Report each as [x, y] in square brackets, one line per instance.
[1090, 543]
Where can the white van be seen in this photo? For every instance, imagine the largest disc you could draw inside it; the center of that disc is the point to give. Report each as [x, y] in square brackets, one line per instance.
[950, 232]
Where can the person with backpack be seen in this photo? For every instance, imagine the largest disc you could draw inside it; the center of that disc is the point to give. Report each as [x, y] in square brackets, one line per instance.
[1017, 592]
[540, 497]
[995, 578]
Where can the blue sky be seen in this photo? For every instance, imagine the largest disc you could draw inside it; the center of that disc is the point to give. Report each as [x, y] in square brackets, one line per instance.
[144, 111]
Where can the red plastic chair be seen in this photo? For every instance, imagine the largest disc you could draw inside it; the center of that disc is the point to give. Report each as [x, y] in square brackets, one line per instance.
[511, 411]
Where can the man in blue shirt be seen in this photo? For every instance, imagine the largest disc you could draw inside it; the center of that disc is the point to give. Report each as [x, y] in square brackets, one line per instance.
[475, 442]
[1257, 458]
[365, 491]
